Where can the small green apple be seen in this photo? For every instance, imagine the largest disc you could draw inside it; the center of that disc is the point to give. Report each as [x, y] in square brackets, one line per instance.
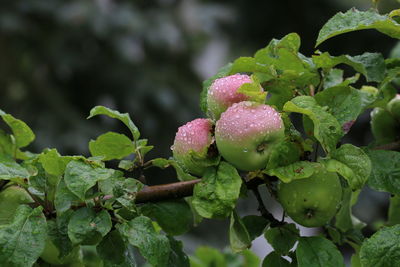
[192, 146]
[10, 198]
[223, 93]
[247, 133]
[312, 201]
[385, 128]
[394, 107]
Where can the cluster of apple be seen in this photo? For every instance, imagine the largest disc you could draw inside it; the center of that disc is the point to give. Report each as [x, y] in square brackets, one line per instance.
[244, 132]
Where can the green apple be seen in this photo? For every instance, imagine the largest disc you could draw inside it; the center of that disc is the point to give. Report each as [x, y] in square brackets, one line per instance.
[10, 198]
[311, 201]
[247, 133]
[385, 128]
[193, 146]
[394, 107]
[51, 254]
[223, 93]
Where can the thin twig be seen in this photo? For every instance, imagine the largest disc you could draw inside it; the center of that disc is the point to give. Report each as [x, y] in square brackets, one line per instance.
[390, 146]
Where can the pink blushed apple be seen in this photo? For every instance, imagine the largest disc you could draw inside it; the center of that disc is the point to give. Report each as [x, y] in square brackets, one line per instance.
[223, 93]
[192, 144]
[247, 133]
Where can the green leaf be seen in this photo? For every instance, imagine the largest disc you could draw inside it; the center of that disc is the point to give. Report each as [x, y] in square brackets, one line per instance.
[182, 175]
[333, 78]
[111, 146]
[6, 145]
[177, 256]
[254, 91]
[22, 133]
[285, 69]
[239, 238]
[273, 259]
[38, 182]
[23, 240]
[53, 162]
[250, 259]
[64, 198]
[87, 227]
[58, 233]
[382, 249]
[250, 65]
[116, 180]
[174, 217]
[344, 218]
[354, 20]
[294, 171]
[344, 103]
[282, 238]
[206, 256]
[355, 260]
[216, 195]
[352, 163]
[161, 163]
[371, 65]
[284, 154]
[80, 177]
[222, 72]
[125, 192]
[318, 251]
[142, 147]
[140, 233]
[255, 225]
[11, 170]
[280, 68]
[385, 174]
[124, 117]
[112, 248]
[394, 210]
[327, 129]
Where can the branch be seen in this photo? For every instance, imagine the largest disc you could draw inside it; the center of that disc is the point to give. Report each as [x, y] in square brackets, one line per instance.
[185, 189]
[166, 191]
[390, 146]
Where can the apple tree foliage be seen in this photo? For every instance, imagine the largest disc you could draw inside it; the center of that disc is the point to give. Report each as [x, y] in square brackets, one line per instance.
[82, 211]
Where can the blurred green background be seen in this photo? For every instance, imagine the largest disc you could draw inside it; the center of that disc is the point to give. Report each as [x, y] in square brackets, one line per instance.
[60, 58]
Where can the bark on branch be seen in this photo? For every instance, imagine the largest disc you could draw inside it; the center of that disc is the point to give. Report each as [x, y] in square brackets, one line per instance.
[166, 191]
[390, 146]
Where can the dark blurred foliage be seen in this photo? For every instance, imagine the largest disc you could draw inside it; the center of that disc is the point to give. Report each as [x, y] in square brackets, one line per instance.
[60, 58]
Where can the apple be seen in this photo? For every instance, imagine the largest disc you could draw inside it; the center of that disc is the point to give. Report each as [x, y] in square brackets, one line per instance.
[311, 201]
[394, 107]
[192, 146]
[10, 198]
[385, 128]
[51, 254]
[223, 93]
[247, 133]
